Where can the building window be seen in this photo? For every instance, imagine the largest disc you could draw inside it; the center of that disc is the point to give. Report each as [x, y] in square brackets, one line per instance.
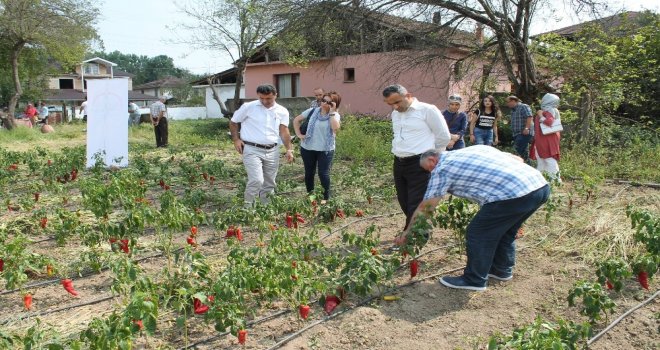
[66, 84]
[349, 75]
[288, 85]
[92, 69]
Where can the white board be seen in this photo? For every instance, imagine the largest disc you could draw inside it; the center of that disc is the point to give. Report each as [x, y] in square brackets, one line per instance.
[107, 123]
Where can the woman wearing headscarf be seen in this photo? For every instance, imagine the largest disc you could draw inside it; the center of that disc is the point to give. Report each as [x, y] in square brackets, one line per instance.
[545, 148]
[317, 146]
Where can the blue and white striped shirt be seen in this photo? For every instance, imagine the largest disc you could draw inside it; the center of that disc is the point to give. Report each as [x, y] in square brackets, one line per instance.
[482, 174]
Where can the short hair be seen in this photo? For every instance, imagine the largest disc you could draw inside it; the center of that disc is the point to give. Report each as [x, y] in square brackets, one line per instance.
[513, 98]
[394, 89]
[319, 88]
[266, 89]
[426, 155]
[334, 96]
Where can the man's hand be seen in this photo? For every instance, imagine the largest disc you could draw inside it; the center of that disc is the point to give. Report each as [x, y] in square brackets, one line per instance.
[238, 144]
[525, 131]
[450, 145]
[401, 238]
[472, 138]
[289, 156]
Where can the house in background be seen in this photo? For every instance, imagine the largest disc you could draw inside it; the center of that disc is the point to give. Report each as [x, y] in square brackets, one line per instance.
[68, 90]
[161, 87]
[359, 72]
[225, 85]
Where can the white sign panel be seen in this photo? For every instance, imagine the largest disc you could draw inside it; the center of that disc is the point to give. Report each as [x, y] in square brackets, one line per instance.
[107, 123]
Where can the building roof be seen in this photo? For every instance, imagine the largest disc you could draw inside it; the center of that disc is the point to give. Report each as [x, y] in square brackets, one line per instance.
[100, 60]
[121, 73]
[607, 23]
[160, 83]
[225, 77]
[77, 95]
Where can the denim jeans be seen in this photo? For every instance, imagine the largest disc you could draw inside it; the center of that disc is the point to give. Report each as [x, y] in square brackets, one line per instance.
[483, 136]
[521, 144]
[458, 145]
[491, 235]
[322, 160]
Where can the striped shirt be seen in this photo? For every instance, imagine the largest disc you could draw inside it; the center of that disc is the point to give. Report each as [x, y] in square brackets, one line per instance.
[482, 174]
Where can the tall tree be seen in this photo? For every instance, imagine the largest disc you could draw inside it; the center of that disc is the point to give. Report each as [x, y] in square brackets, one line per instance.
[233, 27]
[63, 28]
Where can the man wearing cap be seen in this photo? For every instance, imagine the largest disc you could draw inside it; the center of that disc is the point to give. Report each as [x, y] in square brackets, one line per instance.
[508, 192]
[261, 123]
[417, 126]
[521, 126]
[159, 120]
[457, 123]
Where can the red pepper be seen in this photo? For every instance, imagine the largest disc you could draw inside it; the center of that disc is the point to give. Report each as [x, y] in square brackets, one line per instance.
[205, 176]
[414, 268]
[44, 222]
[294, 264]
[191, 241]
[74, 174]
[212, 180]
[242, 336]
[36, 196]
[304, 311]
[331, 303]
[340, 213]
[359, 213]
[139, 324]
[13, 167]
[68, 286]
[167, 187]
[193, 231]
[2, 264]
[609, 285]
[300, 219]
[161, 183]
[289, 221]
[124, 245]
[27, 301]
[239, 234]
[50, 162]
[200, 308]
[643, 278]
[294, 277]
[374, 251]
[231, 232]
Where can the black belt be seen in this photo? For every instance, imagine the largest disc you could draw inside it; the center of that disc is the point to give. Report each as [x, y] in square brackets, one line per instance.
[259, 145]
[408, 158]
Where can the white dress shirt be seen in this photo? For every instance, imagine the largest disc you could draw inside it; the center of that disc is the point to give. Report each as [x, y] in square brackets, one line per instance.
[419, 129]
[260, 124]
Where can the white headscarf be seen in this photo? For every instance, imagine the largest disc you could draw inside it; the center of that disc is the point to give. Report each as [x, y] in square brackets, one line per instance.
[549, 103]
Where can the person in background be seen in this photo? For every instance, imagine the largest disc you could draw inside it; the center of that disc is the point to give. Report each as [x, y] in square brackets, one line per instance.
[545, 148]
[43, 113]
[83, 110]
[31, 113]
[317, 148]
[134, 114]
[521, 126]
[159, 121]
[318, 94]
[483, 122]
[508, 193]
[417, 127]
[261, 123]
[456, 122]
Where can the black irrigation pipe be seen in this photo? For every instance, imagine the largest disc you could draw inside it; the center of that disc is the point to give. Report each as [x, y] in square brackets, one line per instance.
[65, 308]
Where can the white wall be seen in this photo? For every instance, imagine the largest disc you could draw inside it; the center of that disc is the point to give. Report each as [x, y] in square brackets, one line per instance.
[226, 91]
[182, 113]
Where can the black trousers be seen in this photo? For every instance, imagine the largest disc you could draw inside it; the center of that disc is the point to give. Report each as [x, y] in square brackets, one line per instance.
[161, 133]
[410, 181]
[322, 160]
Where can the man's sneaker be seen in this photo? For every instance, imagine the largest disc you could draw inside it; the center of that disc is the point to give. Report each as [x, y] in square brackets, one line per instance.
[502, 278]
[459, 283]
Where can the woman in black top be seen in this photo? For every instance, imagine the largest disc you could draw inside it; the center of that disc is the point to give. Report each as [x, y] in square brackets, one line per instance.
[483, 122]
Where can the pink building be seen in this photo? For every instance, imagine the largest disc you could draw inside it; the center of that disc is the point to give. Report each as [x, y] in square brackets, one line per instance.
[361, 77]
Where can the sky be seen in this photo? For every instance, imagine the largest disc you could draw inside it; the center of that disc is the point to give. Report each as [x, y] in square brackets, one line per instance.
[144, 27]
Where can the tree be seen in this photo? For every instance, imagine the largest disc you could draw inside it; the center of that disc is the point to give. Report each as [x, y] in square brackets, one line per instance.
[233, 27]
[63, 28]
[144, 68]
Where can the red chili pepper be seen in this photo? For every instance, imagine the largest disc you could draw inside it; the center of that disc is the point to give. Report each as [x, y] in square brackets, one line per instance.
[331, 303]
[161, 183]
[414, 268]
[139, 324]
[68, 286]
[340, 213]
[242, 336]
[205, 176]
[36, 196]
[167, 187]
[44, 222]
[191, 241]
[304, 311]
[643, 278]
[289, 221]
[74, 174]
[199, 307]
[124, 246]
[294, 264]
[374, 251]
[609, 285]
[300, 219]
[359, 213]
[2, 264]
[193, 231]
[212, 180]
[231, 232]
[13, 167]
[27, 301]
[294, 277]
[239, 234]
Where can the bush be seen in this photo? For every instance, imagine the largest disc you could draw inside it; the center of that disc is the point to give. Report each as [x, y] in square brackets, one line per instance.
[365, 139]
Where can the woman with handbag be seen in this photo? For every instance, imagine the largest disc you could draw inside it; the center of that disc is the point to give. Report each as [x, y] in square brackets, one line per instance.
[317, 129]
[547, 129]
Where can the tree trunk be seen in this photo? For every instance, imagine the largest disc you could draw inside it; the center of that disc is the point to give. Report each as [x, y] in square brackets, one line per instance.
[216, 97]
[586, 114]
[240, 70]
[18, 90]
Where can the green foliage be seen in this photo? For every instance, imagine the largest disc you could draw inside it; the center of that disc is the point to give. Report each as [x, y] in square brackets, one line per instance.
[647, 228]
[594, 300]
[543, 335]
[365, 139]
[455, 214]
[613, 271]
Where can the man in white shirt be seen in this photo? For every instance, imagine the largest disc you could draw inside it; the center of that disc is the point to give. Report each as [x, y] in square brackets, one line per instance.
[83, 110]
[134, 114]
[262, 123]
[43, 113]
[159, 121]
[417, 126]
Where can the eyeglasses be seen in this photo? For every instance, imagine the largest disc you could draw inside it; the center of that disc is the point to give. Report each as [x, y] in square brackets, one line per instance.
[454, 98]
[326, 101]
